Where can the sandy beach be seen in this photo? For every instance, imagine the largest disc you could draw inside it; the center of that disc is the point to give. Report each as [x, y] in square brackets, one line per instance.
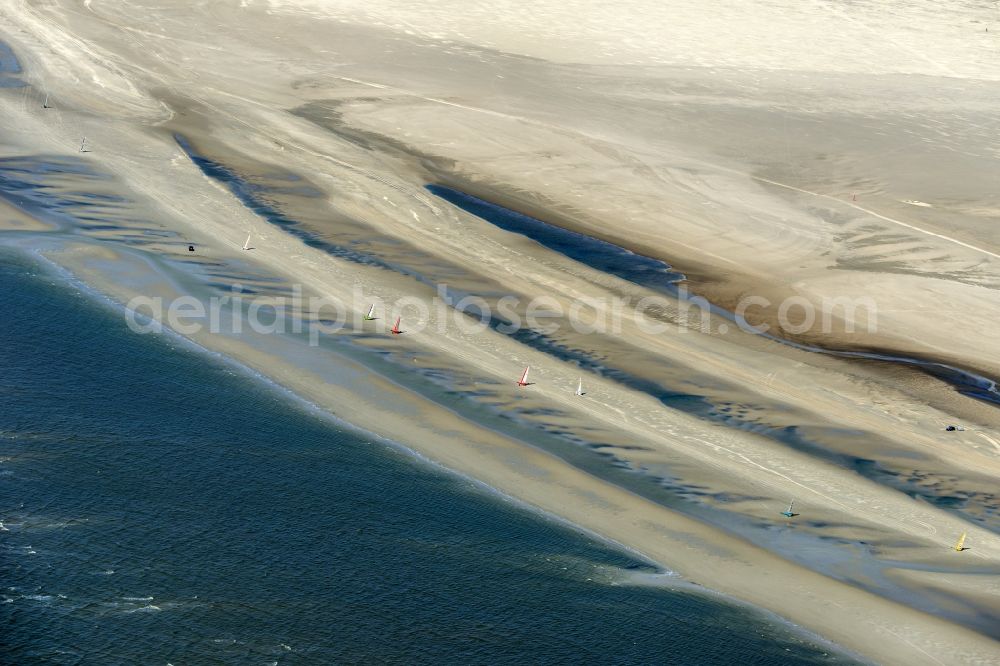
[796, 152]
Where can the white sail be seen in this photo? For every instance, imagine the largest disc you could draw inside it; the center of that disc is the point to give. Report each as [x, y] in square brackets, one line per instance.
[246, 245]
[579, 387]
[83, 145]
[524, 377]
[371, 312]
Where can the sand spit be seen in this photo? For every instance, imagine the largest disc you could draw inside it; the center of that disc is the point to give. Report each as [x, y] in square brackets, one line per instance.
[687, 444]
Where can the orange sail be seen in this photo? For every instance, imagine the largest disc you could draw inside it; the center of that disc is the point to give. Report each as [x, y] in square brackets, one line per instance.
[395, 327]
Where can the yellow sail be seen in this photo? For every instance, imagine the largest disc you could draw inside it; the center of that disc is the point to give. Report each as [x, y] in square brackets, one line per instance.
[960, 544]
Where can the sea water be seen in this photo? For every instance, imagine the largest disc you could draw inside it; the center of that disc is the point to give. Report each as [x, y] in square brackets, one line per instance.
[159, 506]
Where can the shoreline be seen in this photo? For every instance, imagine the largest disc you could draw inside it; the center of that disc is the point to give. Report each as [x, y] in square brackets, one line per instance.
[829, 571]
[665, 577]
[304, 385]
[545, 503]
[543, 498]
[290, 480]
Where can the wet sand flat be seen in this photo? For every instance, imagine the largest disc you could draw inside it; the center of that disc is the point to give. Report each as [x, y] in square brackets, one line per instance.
[749, 177]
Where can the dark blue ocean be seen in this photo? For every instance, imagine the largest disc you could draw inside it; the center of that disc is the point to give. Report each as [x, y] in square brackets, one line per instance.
[160, 506]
